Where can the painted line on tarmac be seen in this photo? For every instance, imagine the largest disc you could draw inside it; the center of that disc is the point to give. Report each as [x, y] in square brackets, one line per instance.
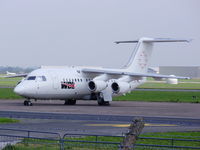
[127, 125]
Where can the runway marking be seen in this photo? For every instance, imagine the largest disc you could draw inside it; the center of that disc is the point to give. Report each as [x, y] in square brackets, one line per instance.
[127, 125]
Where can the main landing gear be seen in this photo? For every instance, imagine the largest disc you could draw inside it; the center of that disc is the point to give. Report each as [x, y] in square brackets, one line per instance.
[70, 102]
[28, 103]
[101, 101]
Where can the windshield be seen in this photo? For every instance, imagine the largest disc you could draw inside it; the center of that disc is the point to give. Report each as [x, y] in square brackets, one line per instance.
[31, 78]
[39, 78]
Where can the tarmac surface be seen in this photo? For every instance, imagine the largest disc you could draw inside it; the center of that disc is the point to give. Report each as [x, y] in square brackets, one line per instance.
[88, 117]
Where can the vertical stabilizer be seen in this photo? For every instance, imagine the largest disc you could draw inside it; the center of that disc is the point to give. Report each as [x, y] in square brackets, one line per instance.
[140, 58]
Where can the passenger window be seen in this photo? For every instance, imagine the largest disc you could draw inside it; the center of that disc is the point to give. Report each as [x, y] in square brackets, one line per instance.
[31, 78]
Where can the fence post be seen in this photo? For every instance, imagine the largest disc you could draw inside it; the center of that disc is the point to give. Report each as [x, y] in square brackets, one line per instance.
[61, 143]
[134, 131]
[172, 142]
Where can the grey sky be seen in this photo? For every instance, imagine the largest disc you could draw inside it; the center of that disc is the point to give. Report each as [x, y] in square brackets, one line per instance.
[82, 32]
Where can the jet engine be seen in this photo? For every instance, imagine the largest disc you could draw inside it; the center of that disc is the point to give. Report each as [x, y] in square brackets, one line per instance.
[120, 87]
[97, 86]
[172, 80]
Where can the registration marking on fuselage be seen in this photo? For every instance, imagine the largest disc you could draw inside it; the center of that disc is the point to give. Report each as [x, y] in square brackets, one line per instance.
[127, 125]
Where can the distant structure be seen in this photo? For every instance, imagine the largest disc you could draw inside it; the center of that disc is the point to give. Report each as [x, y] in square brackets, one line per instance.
[188, 71]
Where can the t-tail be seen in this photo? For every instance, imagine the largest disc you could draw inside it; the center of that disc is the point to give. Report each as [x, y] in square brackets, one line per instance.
[140, 57]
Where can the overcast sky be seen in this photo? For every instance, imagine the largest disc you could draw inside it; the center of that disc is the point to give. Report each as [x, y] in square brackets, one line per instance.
[82, 32]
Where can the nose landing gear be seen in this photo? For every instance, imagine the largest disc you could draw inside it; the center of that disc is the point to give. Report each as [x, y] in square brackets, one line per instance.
[28, 103]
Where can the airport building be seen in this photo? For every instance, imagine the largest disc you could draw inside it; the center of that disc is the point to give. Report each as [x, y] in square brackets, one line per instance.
[188, 71]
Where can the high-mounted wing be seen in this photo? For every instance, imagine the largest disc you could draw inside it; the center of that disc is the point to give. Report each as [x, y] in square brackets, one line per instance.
[116, 72]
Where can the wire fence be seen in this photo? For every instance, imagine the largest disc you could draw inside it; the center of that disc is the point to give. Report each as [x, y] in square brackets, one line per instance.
[11, 139]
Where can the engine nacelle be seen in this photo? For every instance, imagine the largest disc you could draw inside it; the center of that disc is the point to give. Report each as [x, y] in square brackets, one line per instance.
[172, 81]
[97, 86]
[120, 87]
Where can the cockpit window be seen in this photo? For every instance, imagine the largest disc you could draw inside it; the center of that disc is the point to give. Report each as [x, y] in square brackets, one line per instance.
[44, 78]
[31, 78]
[38, 78]
[41, 78]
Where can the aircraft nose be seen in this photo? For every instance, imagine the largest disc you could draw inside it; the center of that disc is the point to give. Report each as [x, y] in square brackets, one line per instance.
[19, 90]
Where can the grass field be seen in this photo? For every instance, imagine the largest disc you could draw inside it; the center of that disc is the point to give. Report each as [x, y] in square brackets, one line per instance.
[7, 93]
[158, 85]
[9, 81]
[8, 120]
[161, 96]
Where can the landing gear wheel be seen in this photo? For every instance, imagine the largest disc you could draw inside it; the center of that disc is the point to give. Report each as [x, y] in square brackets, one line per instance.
[70, 102]
[101, 102]
[28, 103]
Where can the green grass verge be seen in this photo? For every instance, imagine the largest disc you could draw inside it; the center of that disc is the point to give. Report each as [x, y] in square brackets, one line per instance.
[170, 136]
[154, 85]
[8, 120]
[7, 93]
[161, 96]
[9, 81]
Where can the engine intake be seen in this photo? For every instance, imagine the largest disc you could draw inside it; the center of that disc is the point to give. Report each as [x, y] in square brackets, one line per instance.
[97, 86]
[120, 87]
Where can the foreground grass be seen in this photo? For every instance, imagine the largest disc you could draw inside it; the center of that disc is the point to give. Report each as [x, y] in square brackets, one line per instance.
[161, 96]
[75, 143]
[8, 120]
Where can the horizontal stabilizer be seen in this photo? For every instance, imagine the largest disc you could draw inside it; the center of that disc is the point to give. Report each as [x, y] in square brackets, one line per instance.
[155, 40]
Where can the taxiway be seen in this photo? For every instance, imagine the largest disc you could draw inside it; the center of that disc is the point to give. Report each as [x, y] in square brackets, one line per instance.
[87, 117]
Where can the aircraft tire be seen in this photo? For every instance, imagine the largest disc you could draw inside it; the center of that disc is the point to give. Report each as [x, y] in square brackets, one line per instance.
[101, 102]
[70, 102]
[28, 103]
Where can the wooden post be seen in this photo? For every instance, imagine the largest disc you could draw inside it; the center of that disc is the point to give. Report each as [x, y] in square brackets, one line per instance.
[134, 131]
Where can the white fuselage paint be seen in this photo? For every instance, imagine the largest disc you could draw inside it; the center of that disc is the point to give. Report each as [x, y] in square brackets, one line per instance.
[52, 87]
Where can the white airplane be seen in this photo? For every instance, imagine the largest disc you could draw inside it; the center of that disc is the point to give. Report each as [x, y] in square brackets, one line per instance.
[10, 73]
[92, 83]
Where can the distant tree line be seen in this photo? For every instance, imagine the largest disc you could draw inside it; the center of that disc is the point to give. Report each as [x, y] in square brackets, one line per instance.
[3, 69]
